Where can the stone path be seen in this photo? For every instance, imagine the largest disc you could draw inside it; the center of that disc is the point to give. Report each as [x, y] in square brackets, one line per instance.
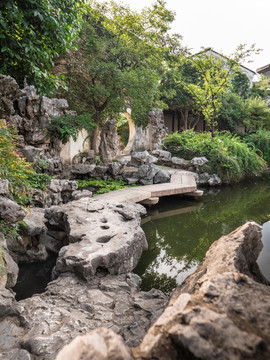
[182, 182]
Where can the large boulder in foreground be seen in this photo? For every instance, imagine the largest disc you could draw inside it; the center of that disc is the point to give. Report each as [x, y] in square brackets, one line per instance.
[46, 322]
[219, 312]
[102, 237]
[100, 344]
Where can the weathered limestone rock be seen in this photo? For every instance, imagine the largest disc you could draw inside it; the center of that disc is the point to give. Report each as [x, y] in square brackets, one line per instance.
[4, 191]
[219, 312]
[86, 157]
[162, 155]
[30, 114]
[204, 178]
[115, 168]
[55, 165]
[151, 137]
[7, 304]
[38, 239]
[9, 89]
[31, 153]
[147, 172]
[180, 163]
[8, 268]
[60, 191]
[46, 322]
[109, 144]
[198, 161]
[142, 157]
[15, 354]
[57, 186]
[10, 211]
[99, 344]
[78, 194]
[100, 171]
[102, 236]
[157, 127]
[83, 169]
[214, 180]
[162, 176]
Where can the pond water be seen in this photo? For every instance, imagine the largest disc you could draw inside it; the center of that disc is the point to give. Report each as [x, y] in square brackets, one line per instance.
[34, 277]
[179, 231]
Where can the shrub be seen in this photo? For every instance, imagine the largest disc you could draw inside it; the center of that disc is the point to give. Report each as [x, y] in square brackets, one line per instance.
[261, 141]
[230, 157]
[123, 129]
[66, 126]
[103, 186]
[13, 166]
[39, 181]
[256, 114]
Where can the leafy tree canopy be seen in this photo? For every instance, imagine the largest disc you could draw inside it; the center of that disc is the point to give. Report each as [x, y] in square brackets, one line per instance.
[216, 75]
[174, 89]
[32, 34]
[257, 114]
[120, 58]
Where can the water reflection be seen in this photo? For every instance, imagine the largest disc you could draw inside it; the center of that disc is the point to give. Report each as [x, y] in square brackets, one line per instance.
[179, 231]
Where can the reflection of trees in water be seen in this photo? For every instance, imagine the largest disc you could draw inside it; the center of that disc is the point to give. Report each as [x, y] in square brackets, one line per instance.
[186, 237]
[162, 282]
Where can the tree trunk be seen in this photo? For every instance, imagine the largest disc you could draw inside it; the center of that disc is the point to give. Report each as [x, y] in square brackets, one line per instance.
[213, 129]
[93, 139]
[198, 118]
[94, 134]
[185, 118]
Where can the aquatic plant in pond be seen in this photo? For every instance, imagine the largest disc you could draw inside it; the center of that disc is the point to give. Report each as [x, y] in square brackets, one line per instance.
[180, 231]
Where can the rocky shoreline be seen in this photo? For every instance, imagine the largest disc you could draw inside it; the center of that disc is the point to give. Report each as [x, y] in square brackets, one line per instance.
[99, 244]
[219, 312]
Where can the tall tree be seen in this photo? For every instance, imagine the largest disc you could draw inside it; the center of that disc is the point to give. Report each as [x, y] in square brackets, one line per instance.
[215, 80]
[119, 61]
[175, 94]
[32, 34]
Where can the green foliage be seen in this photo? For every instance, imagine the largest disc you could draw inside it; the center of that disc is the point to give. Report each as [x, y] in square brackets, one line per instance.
[13, 166]
[261, 141]
[123, 129]
[66, 126]
[32, 34]
[214, 82]
[42, 164]
[240, 84]
[11, 231]
[229, 157]
[120, 57]
[174, 89]
[232, 112]
[103, 186]
[39, 181]
[217, 74]
[260, 88]
[256, 114]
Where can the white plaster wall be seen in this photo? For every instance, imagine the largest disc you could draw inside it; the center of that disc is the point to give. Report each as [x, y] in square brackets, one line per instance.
[72, 148]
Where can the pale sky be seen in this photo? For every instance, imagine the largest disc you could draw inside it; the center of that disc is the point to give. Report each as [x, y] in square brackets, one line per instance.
[222, 25]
